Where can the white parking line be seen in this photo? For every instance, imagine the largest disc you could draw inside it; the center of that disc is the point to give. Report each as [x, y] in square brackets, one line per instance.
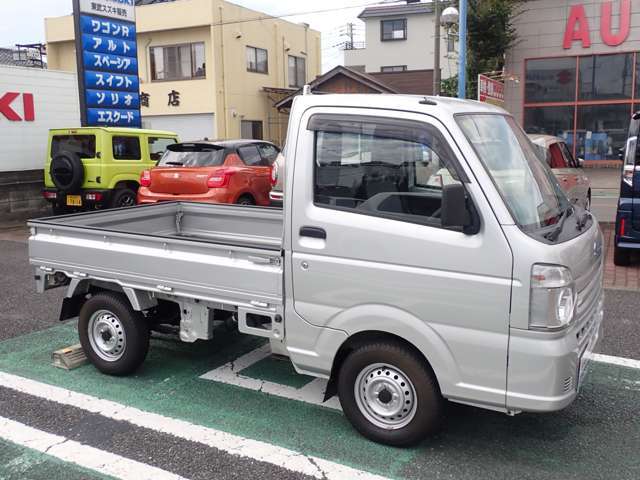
[623, 362]
[105, 463]
[313, 392]
[229, 443]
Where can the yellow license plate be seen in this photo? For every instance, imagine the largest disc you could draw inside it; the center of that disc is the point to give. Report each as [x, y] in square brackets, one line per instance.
[74, 200]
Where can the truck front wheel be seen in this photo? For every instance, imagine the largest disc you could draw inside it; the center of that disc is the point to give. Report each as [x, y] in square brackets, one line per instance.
[389, 394]
[114, 337]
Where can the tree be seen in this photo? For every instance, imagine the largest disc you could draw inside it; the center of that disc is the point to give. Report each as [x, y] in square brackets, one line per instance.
[490, 34]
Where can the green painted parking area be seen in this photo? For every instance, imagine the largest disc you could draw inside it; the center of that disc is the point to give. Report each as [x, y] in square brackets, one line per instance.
[20, 463]
[597, 437]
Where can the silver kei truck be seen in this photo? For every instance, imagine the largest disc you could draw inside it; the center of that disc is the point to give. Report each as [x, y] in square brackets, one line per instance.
[400, 290]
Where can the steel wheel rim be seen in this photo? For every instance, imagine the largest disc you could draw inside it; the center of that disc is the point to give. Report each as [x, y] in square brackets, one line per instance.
[106, 335]
[385, 396]
[127, 201]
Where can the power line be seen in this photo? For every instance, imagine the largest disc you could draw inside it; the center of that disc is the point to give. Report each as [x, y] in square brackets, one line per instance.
[308, 12]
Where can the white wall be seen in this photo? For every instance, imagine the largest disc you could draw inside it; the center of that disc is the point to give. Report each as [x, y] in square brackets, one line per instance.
[416, 52]
[56, 106]
[188, 127]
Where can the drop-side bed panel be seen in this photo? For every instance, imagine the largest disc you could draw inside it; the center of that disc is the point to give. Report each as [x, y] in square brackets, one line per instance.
[224, 254]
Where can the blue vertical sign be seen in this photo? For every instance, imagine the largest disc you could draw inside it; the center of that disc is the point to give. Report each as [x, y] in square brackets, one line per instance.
[107, 57]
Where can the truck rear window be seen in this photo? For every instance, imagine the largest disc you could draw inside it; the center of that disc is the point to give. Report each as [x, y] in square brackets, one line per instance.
[82, 145]
[192, 155]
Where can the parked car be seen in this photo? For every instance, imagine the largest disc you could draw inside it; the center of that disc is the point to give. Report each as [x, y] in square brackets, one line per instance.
[93, 167]
[236, 171]
[276, 195]
[627, 237]
[487, 291]
[565, 167]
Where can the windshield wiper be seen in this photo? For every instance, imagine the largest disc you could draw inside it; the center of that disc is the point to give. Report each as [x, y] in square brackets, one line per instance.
[553, 236]
[178, 164]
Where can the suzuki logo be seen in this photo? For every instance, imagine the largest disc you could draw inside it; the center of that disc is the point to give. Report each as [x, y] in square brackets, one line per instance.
[6, 107]
[176, 176]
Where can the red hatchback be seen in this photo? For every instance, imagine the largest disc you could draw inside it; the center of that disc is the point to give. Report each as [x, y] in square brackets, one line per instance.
[212, 172]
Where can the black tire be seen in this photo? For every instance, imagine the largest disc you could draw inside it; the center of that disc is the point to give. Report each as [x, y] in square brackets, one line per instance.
[134, 345]
[123, 197]
[59, 210]
[246, 200]
[621, 257]
[427, 403]
[67, 171]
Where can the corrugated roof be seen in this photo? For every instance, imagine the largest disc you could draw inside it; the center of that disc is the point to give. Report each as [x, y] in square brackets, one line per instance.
[402, 8]
[7, 58]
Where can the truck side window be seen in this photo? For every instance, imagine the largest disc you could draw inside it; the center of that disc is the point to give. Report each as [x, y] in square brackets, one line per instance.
[393, 170]
[126, 148]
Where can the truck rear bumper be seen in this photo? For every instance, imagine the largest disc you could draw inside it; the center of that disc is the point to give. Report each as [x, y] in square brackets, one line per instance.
[545, 376]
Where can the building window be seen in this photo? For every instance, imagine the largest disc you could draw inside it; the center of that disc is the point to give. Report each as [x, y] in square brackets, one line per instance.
[551, 80]
[126, 148]
[393, 30]
[394, 68]
[257, 60]
[251, 130]
[178, 62]
[556, 121]
[589, 107]
[606, 77]
[601, 131]
[297, 71]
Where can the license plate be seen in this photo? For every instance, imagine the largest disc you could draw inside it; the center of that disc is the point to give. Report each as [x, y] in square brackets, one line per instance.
[74, 201]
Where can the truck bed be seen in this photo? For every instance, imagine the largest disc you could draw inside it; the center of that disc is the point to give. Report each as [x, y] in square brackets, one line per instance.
[219, 253]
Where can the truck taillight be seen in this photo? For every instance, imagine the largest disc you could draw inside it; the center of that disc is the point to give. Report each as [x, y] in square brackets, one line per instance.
[145, 178]
[220, 178]
[274, 174]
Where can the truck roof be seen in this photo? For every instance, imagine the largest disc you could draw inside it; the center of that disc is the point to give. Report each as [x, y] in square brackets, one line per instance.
[410, 103]
[117, 130]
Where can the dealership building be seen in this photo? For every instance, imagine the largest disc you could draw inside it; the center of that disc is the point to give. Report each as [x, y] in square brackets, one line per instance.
[575, 73]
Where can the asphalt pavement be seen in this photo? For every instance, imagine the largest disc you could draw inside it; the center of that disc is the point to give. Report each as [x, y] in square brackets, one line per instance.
[186, 414]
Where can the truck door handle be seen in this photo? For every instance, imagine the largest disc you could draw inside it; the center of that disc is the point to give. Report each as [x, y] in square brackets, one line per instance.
[313, 232]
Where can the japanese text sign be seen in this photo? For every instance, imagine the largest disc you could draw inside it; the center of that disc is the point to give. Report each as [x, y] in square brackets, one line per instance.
[108, 62]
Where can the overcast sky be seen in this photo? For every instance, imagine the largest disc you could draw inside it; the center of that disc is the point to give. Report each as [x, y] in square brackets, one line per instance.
[23, 20]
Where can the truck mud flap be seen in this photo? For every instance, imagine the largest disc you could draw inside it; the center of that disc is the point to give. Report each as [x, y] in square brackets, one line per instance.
[71, 307]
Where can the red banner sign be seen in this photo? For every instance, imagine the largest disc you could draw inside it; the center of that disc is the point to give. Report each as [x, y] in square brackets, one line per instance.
[490, 91]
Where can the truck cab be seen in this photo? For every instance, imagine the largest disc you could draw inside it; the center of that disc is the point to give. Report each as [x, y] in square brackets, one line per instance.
[402, 291]
[627, 238]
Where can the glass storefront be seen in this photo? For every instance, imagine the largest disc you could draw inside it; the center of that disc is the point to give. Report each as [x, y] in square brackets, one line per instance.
[586, 100]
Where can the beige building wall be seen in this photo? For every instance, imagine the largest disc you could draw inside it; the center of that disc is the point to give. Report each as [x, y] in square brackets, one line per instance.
[228, 92]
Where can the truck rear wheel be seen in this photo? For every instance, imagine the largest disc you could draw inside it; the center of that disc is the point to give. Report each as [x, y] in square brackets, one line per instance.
[114, 337]
[389, 394]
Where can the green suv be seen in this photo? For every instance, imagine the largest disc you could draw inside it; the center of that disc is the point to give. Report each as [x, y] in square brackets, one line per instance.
[94, 167]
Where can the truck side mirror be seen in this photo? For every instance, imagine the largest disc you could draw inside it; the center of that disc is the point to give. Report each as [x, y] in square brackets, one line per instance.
[454, 206]
[621, 154]
[581, 162]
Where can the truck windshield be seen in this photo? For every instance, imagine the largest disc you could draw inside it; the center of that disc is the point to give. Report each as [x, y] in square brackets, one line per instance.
[192, 155]
[526, 185]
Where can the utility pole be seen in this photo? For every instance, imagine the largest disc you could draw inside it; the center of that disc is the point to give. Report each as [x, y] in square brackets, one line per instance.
[436, 50]
[462, 60]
